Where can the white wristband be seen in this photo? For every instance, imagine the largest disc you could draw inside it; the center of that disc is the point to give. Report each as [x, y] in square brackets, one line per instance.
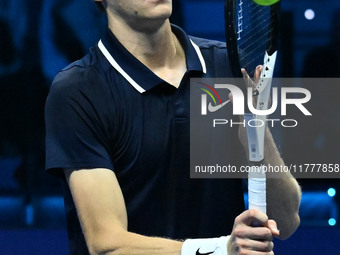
[213, 246]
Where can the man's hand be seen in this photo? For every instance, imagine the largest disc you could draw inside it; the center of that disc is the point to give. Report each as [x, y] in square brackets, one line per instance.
[248, 240]
[242, 133]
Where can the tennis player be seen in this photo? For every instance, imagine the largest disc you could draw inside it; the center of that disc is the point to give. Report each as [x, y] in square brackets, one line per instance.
[117, 124]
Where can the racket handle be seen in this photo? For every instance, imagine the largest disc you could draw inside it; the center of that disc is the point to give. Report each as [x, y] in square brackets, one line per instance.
[257, 192]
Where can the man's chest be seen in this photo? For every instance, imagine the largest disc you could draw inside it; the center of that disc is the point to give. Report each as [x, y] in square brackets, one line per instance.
[152, 131]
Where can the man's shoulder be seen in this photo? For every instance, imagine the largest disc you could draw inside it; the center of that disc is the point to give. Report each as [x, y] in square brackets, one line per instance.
[215, 55]
[86, 76]
[80, 72]
[204, 43]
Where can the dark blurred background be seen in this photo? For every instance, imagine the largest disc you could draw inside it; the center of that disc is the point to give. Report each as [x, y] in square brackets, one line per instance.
[38, 38]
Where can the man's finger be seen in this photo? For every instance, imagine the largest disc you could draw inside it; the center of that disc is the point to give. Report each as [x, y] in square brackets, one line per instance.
[247, 80]
[250, 216]
[230, 95]
[246, 77]
[257, 74]
[248, 244]
[273, 227]
[262, 234]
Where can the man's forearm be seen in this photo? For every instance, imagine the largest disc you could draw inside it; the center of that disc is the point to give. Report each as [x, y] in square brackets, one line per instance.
[135, 244]
[283, 192]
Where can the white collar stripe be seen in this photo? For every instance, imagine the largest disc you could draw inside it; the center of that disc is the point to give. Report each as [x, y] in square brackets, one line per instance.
[199, 54]
[118, 68]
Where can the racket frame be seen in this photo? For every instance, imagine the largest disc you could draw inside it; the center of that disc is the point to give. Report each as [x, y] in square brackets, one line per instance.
[255, 136]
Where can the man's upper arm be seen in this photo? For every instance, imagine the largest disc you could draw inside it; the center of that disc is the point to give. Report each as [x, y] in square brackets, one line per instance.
[100, 205]
[79, 118]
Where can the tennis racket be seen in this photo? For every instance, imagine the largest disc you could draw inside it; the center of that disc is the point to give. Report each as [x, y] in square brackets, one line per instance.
[252, 35]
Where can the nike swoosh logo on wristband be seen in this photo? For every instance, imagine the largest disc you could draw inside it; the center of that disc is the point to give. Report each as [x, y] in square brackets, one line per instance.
[198, 252]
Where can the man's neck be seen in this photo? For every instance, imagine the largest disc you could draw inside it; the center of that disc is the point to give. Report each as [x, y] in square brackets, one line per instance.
[157, 48]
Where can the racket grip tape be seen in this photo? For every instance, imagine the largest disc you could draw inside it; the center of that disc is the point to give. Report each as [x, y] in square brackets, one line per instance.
[257, 194]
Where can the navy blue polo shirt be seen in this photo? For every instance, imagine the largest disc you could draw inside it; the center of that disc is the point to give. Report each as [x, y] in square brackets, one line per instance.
[108, 110]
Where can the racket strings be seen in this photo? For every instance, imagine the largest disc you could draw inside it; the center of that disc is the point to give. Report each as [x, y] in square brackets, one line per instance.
[253, 40]
[261, 33]
[252, 48]
[253, 33]
[244, 17]
[251, 30]
[260, 15]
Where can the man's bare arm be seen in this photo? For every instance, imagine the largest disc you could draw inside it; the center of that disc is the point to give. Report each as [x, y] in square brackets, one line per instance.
[283, 192]
[102, 214]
